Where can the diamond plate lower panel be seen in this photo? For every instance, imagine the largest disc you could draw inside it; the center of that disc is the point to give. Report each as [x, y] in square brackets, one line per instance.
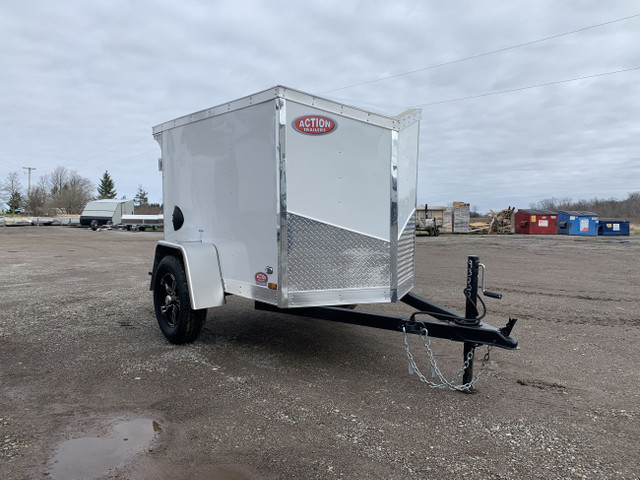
[324, 257]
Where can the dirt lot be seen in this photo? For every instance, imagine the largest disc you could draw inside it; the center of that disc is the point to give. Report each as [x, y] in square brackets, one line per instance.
[265, 396]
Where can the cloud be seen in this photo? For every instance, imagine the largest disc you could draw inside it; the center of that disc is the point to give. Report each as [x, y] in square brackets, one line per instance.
[83, 83]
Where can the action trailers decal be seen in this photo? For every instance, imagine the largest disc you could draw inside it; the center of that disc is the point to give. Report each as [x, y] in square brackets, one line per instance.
[314, 124]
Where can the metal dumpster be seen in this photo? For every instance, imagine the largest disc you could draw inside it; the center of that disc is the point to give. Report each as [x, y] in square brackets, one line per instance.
[613, 228]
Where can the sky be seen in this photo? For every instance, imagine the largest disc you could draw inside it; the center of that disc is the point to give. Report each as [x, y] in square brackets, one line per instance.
[82, 84]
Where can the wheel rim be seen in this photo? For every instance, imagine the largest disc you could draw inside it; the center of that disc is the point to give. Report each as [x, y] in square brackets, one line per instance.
[171, 307]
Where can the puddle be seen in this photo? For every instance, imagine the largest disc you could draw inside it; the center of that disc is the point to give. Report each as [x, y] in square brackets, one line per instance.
[93, 457]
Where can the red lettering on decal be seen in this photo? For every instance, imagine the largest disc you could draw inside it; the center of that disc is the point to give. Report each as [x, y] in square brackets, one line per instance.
[314, 124]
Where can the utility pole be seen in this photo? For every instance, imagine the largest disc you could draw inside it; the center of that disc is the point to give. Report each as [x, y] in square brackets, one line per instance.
[29, 178]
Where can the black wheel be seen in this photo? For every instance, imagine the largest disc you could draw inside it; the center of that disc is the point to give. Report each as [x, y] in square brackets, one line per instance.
[176, 319]
[94, 225]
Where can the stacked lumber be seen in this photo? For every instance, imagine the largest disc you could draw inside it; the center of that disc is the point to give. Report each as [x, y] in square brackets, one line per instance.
[478, 227]
[501, 222]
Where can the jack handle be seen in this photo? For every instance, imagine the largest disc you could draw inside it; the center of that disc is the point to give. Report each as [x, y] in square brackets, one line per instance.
[488, 293]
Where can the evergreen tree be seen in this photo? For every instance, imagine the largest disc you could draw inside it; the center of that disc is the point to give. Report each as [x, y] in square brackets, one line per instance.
[106, 188]
[141, 198]
[11, 191]
[15, 201]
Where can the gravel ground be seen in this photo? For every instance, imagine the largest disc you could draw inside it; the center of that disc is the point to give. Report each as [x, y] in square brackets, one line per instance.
[266, 396]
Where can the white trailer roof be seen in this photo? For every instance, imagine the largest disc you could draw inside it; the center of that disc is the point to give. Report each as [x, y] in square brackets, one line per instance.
[395, 123]
[106, 205]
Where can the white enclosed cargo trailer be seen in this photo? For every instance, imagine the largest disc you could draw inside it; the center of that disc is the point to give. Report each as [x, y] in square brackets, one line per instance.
[107, 211]
[295, 200]
[292, 200]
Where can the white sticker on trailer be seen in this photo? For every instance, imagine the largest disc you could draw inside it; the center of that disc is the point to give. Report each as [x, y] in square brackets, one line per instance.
[543, 223]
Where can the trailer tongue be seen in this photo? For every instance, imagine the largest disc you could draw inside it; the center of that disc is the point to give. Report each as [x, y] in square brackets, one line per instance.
[445, 323]
[306, 206]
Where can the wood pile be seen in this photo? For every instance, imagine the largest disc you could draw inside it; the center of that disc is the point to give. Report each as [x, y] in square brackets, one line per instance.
[500, 222]
[478, 227]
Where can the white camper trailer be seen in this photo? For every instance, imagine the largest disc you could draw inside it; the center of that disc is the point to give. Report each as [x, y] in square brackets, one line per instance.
[288, 199]
[103, 212]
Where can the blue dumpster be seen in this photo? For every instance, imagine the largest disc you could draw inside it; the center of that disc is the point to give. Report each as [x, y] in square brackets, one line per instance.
[613, 227]
[577, 223]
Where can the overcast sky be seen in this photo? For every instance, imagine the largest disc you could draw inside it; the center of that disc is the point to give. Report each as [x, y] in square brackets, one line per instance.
[82, 83]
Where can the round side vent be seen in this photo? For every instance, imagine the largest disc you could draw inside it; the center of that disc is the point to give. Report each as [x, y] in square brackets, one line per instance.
[177, 218]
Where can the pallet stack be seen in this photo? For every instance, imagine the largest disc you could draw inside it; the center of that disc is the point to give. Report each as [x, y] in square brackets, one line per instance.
[447, 220]
[461, 216]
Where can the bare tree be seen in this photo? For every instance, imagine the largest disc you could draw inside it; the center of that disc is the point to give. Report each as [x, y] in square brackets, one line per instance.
[38, 198]
[76, 194]
[69, 190]
[610, 208]
[57, 179]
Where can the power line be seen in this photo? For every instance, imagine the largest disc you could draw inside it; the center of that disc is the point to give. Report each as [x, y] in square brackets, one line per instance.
[481, 54]
[526, 88]
[117, 148]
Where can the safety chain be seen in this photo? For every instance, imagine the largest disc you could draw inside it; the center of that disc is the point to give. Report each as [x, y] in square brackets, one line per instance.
[453, 384]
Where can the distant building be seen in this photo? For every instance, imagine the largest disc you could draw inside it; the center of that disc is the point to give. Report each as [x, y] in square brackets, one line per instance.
[436, 212]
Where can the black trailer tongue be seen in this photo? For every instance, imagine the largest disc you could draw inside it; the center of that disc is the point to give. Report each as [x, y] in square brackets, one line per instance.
[444, 323]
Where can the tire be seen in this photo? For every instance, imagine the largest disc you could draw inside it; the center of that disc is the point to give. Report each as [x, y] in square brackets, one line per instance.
[178, 322]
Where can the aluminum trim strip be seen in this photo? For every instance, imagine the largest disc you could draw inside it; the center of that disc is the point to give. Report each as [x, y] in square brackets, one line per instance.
[338, 297]
[282, 229]
[243, 102]
[394, 216]
[398, 122]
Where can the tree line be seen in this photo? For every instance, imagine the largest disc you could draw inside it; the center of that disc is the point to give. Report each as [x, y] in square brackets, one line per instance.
[63, 190]
[611, 208]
